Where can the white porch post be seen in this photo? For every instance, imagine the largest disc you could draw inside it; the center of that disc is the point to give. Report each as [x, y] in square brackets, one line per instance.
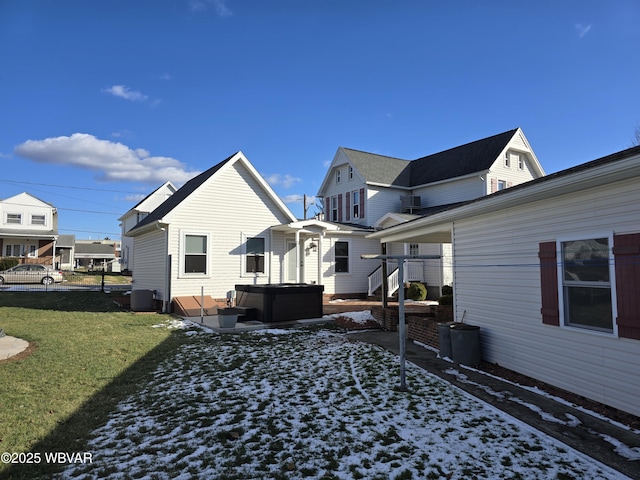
[320, 236]
[297, 256]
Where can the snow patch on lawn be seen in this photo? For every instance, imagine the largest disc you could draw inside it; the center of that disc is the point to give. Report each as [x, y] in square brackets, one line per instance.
[308, 404]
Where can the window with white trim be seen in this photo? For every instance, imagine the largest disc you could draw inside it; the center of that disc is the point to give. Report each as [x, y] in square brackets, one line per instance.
[195, 254]
[355, 202]
[33, 251]
[502, 184]
[507, 160]
[38, 220]
[14, 218]
[338, 175]
[520, 162]
[334, 208]
[350, 172]
[586, 284]
[341, 257]
[254, 255]
[414, 249]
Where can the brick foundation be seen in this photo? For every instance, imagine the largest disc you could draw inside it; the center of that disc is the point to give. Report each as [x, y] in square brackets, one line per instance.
[422, 323]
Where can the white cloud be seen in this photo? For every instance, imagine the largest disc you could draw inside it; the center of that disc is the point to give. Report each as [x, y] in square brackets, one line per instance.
[285, 181]
[297, 198]
[123, 91]
[582, 29]
[219, 6]
[113, 161]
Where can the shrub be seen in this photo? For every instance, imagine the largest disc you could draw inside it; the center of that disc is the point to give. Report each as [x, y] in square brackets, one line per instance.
[417, 291]
[446, 300]
[8, 262]
[447, 290]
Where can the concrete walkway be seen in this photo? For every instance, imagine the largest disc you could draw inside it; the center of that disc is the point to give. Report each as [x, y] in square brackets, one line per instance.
[610, 444]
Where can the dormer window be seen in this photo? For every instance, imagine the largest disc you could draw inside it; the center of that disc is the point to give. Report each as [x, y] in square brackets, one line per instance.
[520, 162]
[14, 218]
[38, 220]
[338, 175]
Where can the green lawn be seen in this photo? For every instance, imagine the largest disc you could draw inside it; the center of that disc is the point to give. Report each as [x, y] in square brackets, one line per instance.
[88, 356]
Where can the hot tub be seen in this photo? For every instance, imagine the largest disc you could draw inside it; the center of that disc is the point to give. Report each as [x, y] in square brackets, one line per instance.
[280, 302]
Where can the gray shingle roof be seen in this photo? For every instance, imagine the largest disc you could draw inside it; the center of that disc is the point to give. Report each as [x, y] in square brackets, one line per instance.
[464, 160]
[380, 168]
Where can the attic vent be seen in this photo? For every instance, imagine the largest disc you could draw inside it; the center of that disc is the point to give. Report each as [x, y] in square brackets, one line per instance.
[410, 203]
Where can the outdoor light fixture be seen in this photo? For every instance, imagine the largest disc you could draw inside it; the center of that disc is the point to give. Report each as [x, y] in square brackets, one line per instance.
[312, 247]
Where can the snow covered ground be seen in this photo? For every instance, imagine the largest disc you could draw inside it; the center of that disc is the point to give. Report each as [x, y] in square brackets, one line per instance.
[308, 403]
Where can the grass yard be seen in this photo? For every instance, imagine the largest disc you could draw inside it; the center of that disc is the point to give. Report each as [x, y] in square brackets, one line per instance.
[270, 404]
[88, 356]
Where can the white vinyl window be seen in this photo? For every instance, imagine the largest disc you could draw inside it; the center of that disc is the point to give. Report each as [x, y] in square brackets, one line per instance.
[14, 218]
[338, 175]
[502, 184]
[350, 172]
[334, 208]
[507, 160]
[38, 220]
[586, 284]
[355, 199]
[254, 255]
[195, 254]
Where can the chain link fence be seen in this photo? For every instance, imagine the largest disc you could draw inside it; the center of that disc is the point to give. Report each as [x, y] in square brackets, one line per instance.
[52, 280]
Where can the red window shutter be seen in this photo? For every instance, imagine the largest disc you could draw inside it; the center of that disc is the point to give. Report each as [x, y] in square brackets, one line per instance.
[494, 185]
[509, 184]
[626, 251]
[361, 203]
[549, 283]
[348, 200]
[339, 207]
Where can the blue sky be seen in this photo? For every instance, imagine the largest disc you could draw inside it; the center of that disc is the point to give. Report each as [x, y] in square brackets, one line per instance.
[102, 101]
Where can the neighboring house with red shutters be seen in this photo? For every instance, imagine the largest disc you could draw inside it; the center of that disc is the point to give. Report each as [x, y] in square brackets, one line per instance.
[28, 229]
[367, 190]
[550, 271]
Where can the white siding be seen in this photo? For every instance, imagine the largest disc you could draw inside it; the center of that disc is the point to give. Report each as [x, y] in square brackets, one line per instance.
[150, 263]
[26, 206]
[380, 201]
[450, 192]
[346, 185]
[497, 286]
[356, 281]
[228, 207]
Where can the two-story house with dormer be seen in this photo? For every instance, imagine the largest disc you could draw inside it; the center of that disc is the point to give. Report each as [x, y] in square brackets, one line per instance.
[366, 190]
[28, 229]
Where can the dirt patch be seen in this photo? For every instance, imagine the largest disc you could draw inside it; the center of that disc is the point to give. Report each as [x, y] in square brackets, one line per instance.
[32, 347]
[350, 324]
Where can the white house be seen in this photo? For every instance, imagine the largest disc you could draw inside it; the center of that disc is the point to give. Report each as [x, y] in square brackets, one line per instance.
[28, 229]
[135, 215]
[550, 271]
[211, 234]
[365, 190]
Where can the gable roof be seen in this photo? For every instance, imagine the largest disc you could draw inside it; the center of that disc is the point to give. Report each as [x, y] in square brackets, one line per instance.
[166, 184]
[467, 159]
[182, 193]
[460, 161]
[48, 204]
[192, 185]
[615, 167]
[380, 168]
